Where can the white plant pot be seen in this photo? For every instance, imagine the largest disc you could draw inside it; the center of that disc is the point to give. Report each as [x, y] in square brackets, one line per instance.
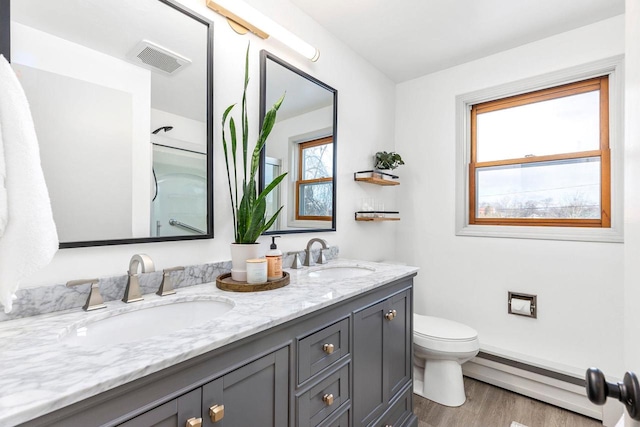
[240, 253]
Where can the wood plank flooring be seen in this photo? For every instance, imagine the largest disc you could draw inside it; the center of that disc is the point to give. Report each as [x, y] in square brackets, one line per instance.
[489, 406]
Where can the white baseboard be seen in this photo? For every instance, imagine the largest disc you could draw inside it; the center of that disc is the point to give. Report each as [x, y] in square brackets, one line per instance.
[541, 387]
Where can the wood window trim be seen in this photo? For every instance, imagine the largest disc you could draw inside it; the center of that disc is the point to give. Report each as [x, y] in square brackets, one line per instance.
[300, 182]
[604, 153]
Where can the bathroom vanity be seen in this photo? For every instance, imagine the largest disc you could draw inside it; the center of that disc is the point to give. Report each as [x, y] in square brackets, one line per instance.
[331, 349]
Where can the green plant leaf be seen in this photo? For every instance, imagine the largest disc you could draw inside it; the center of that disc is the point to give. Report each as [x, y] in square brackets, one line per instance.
[226, 161]
[249, 211]
[267, 125]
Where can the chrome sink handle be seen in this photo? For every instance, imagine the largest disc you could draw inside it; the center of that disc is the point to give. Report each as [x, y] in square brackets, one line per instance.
[94, 301]
[132, 291]
[166, 287]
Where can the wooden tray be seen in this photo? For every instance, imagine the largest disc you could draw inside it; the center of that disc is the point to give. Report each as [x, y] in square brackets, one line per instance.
[226, 283]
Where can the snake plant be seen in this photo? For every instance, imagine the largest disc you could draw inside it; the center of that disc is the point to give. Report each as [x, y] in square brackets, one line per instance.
[249, 212]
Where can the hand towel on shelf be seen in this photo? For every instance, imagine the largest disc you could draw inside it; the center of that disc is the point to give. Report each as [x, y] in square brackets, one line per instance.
[30, 239]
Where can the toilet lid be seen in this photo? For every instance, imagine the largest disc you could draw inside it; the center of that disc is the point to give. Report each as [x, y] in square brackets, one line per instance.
[442, 329]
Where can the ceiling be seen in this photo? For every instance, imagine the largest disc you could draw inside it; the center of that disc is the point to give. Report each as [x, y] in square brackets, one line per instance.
[406, 39]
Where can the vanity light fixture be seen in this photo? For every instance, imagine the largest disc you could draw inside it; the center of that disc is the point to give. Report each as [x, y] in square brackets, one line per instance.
[243, 18]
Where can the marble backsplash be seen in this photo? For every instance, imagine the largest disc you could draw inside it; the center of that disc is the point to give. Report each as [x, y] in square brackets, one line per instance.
[47, 299]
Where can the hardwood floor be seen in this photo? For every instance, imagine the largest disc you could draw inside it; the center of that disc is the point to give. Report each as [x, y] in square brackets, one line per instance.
[489, 406]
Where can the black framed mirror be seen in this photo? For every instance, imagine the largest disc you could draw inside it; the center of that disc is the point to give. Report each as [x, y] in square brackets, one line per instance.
[121, 94]
[303, 143]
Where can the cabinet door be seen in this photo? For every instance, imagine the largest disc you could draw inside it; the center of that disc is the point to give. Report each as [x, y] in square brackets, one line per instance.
[174, 413]
[381, 356]
[369, 399]
[398, 343]
[256, 394]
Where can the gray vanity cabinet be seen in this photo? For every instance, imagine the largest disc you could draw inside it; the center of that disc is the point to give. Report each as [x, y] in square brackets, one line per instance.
[171, 414]
[345, 365]
[381, 358]
[253, 395]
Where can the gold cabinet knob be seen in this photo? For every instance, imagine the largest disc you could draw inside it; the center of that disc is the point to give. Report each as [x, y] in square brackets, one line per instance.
[216, 412]
[328, 348]
[328, 399]
[194, 422]
[391, 315]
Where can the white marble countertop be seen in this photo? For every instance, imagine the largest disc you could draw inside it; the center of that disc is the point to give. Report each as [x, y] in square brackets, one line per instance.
[40, 373]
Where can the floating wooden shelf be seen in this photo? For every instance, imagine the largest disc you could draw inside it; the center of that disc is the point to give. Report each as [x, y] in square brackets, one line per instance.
[376, 177]
[378, 181]
[377, 216]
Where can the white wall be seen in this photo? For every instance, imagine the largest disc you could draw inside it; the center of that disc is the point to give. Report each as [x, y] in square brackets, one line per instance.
[579, 285]
[365, 125]
[42, 51]
[632, 194]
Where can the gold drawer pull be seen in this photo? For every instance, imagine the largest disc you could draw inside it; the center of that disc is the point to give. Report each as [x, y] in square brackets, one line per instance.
[194, 422]
[328, 348]
[216, 412]
[391, 315]
[328, 399]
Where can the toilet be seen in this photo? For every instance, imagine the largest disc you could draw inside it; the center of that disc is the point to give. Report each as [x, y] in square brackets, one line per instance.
[440, 347]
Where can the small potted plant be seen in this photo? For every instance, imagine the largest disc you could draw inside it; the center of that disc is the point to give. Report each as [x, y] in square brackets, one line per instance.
[249, 209]
[387, 161]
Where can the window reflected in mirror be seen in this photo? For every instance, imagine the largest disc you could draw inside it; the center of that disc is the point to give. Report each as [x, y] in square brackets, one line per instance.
[302, 143]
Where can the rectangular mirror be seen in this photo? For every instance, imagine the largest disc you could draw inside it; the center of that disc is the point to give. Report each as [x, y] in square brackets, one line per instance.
[121, 96]
[303, 143]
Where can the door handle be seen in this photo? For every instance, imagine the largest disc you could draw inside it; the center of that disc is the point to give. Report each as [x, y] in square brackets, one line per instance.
[627, 391]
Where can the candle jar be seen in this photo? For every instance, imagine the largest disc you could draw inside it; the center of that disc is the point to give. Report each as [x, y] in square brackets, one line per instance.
[256, 270]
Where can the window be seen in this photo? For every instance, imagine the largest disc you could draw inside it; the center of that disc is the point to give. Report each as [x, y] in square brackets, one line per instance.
[542, 158]
[314, 187]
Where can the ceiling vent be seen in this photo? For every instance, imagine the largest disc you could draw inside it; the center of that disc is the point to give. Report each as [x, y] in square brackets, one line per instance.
[156, 58]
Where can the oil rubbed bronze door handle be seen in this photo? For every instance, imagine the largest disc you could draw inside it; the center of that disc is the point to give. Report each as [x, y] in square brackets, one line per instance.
[627, 391]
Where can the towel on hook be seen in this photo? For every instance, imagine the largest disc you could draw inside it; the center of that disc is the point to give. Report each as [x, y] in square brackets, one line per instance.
[4, 212]
[30, 239]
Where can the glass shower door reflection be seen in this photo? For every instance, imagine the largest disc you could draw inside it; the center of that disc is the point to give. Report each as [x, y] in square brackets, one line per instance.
[179, 205]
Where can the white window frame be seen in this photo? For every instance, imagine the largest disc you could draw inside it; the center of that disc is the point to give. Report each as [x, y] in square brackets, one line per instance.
[614, 68]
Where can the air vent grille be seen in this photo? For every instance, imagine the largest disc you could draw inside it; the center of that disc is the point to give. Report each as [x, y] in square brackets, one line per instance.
[157, 58]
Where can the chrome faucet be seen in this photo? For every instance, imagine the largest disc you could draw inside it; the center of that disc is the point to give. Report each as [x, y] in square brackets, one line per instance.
[132, 292]
[321, 258]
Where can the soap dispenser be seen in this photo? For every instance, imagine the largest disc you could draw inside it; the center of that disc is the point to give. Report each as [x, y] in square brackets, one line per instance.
[274, 261]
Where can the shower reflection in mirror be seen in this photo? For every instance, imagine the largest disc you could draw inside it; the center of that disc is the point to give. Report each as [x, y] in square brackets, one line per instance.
[180, 189]
[122, 107]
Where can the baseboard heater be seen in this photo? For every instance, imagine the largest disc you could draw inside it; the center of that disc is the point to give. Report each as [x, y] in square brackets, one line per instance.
[545, 384]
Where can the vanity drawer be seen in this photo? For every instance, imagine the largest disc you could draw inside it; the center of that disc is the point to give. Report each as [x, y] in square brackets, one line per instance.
[323, 399]
[322, 348]
[342, 419]
[399, 413]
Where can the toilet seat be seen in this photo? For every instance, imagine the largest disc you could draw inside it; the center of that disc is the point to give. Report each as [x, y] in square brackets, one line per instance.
[443, 335]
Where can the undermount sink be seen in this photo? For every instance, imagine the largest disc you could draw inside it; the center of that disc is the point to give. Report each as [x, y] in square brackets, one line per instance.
[143, 322]
[340, 272]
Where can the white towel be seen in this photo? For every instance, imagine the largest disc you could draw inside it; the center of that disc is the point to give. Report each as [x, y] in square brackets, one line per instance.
[30, 239]
[4, 212]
